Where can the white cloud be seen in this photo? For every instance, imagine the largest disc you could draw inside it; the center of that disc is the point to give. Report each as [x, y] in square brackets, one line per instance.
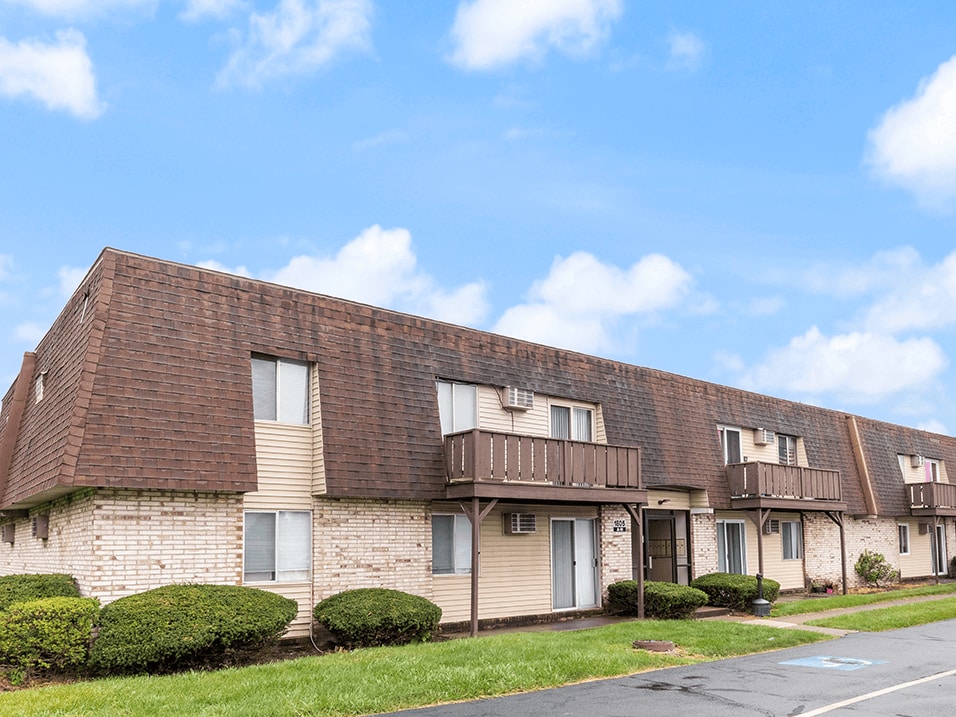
[765, 306]
[933, 426]
[216, 266]
[924, 298]
[577, 305]
[296, 38]
[197, 10]
[858, 366]
[70, 278]
[380, 268]
[29, 332]
[382, 139]
[59, 75]
[80, 8]
[914, 145]
[884, 269]
[493, 33]
[686, 51]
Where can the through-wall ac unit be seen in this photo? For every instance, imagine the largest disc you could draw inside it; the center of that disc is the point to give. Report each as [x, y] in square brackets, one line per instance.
[771, 527]
[520, 399]
[7, 532]
[916, 461]
[763, 437]
[520, 523]
[924, 528]
[40, 527]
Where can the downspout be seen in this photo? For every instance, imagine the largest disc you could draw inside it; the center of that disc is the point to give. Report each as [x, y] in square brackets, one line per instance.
[12, 428]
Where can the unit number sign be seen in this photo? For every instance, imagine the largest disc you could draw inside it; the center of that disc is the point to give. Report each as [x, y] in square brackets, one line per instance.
[620, 525]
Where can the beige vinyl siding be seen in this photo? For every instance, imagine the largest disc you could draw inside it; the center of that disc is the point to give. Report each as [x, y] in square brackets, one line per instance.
[919, 562]
[750, 451]
[284, 455]
[918, 474]
[789, 573]
[318, 448]
[535, 421]
[673, 500]
[515, 571]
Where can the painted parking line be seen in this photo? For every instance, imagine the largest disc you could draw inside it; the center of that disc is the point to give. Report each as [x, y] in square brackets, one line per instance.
[876, 693]
[827, 662]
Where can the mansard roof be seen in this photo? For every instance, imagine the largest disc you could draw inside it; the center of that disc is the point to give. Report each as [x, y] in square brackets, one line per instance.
[147, 385]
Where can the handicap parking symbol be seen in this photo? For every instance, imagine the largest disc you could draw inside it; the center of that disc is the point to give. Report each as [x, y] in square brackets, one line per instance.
[829, 662]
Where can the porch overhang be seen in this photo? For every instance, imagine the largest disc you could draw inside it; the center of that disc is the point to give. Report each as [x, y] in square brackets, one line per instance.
[531, 493]
[793, 504]
[931, 500]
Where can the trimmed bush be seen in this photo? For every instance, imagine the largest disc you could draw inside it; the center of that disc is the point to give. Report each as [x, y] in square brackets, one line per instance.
[665, 601]
[875, 570]
[47, 634]
[736, 592]
[180, 627]
[23, 588]
[368, 617]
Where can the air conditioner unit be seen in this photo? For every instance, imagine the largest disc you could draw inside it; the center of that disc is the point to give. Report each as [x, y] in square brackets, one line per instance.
[520, 523]
[520, 399]
[924, 528]
[771, 527]
[7, 532]
[40, 527]
[763, 437]
[916, 461]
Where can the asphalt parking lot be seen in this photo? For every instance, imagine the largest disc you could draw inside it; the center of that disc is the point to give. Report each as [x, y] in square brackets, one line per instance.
[902, 673]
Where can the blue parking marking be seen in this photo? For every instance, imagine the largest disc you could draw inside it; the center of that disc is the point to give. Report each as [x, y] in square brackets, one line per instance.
[828, 662]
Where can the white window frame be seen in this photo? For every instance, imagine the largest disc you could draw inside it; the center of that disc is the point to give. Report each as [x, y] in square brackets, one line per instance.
[932, 474]
[290, 563]
[743, 544]
[791, 536]
[722, 434]
[788, 444]
[287, 408]
[461, 544]
[903, 534]
[453, 415]
[575, 411]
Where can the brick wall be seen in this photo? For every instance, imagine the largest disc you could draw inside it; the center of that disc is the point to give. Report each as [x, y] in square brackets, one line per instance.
[615, 548]
[703, 538]
[372, 543]
[68, 549]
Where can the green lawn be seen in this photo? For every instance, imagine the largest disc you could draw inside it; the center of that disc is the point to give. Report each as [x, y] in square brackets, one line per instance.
[801, 607]
[891, 618]
[386, 679]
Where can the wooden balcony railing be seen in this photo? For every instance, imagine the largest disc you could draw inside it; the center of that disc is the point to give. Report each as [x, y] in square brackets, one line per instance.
[771, 480]
[932, 495]
[506, 457]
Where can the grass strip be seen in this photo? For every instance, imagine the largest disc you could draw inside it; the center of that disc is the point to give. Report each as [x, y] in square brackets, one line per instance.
[801, 607]
[392, 678]
[893, 617]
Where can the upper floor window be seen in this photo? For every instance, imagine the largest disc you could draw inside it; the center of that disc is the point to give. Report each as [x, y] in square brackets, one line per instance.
[931, 466]
[730, 444]
[572, 423]
[457, 406]
[280, 390]
[787, 450]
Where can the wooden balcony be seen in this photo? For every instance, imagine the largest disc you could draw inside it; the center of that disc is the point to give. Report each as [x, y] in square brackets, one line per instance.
[770, 485]
[490, 464]
[932, 499]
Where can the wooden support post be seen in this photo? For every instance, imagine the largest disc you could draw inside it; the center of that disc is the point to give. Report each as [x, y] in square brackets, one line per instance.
[476, 515]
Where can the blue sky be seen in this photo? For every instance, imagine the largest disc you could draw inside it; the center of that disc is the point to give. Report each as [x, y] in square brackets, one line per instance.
[756, 194]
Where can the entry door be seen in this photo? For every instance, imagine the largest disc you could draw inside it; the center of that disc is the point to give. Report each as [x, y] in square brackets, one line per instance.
[939, 551]
[731, 547]
[573, 563]
[660, 542]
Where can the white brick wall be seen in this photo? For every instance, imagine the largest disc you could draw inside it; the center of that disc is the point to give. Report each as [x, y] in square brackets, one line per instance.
[703, 538]
[372, 543]
[615, 548]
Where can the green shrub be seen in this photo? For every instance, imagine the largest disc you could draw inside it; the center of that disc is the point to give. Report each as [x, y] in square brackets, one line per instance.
[23, 588]
[736, 592]
[186, 626]
[875, 570]
[368, 617]
[47, 634]
[665, 601]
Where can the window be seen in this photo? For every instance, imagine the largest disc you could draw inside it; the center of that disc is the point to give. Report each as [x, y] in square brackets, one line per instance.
[904, 531]
[729, 444]
[932, 470]
[280, 390]
[731, 547]
[451, 545]
[787, 450]
[791, 532]
[277, 546]
[457, 407]
[571, 423]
